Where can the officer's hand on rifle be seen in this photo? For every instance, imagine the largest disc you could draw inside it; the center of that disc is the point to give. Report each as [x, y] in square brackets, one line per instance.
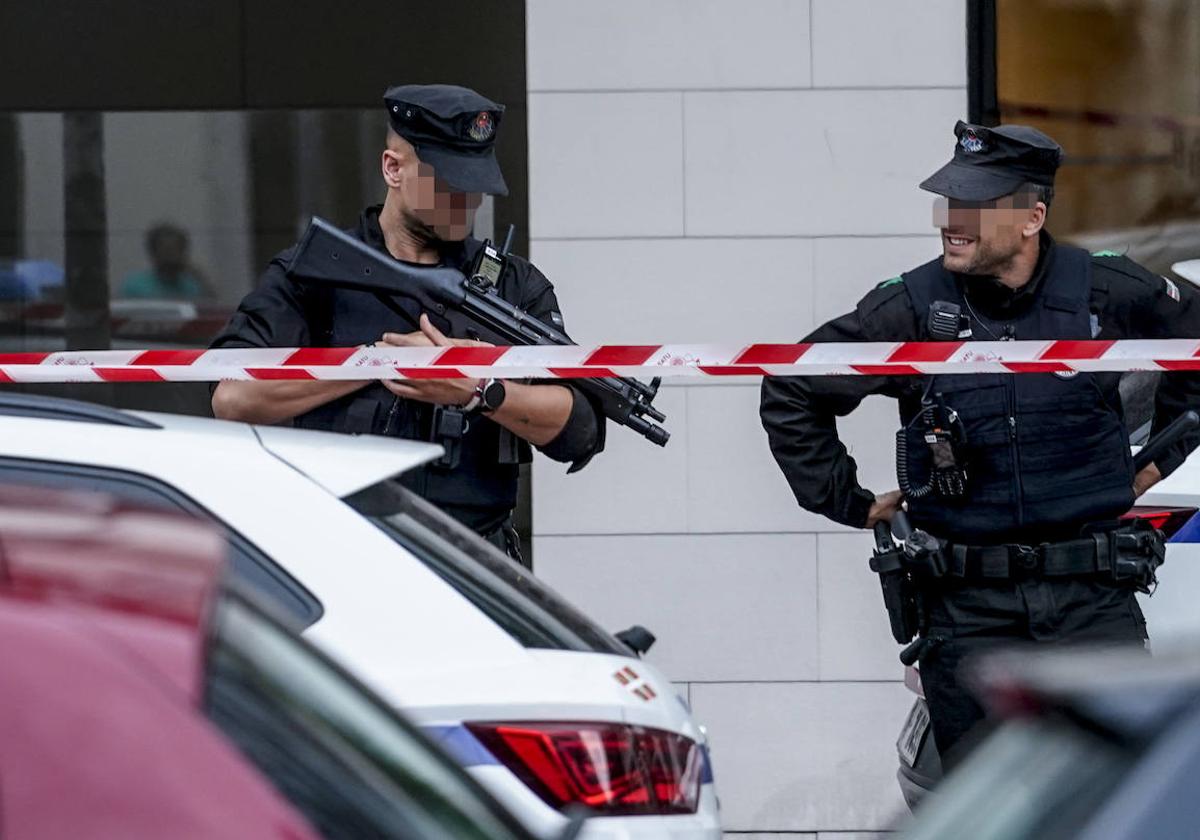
[1146, 478]
[885, 507]
[435, 391]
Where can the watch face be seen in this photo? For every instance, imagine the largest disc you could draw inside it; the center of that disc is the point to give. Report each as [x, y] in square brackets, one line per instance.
[493, 395]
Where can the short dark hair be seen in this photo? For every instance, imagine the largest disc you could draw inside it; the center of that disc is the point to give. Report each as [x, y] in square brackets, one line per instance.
[1036, 192]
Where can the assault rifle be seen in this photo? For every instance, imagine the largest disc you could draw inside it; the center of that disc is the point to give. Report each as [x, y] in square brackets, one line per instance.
[471, 304]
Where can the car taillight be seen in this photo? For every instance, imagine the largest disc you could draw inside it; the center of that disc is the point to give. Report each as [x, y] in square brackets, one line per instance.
[614, 769]
[1169, 520]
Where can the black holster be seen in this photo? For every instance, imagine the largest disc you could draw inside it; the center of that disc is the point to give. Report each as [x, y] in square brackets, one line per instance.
[450, 423]
[900, 595]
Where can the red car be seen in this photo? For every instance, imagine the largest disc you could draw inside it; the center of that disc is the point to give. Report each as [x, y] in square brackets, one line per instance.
[141, 698]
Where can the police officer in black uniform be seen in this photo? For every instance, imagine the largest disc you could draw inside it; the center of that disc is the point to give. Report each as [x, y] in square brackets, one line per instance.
[1017, 478]
[438, 162]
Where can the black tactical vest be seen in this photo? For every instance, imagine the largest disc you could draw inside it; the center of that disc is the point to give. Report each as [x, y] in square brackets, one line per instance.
[482, 489]
[1045, 454]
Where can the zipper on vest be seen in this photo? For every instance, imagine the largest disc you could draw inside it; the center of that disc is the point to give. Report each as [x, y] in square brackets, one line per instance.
[391, 415]
[1010, 334]
[1016, 450]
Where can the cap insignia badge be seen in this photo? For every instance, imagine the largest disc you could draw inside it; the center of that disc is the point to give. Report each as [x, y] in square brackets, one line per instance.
[970, 141]
[482, 127]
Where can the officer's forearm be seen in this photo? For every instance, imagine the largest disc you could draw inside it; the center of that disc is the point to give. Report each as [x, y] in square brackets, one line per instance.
[536, 413]
[274, 402]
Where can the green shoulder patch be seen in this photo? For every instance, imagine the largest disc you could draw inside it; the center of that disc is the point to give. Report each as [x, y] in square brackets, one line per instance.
[891, 282]
[1106, 253]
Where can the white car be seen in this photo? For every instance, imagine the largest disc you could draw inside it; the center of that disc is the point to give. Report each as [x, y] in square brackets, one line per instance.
[1171, 613]
[544, 707]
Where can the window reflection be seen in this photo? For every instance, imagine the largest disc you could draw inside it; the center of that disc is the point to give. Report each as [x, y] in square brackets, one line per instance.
[132, 230]
[1118, 85]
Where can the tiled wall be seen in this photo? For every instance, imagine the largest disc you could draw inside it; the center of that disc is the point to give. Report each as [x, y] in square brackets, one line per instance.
[738, 170]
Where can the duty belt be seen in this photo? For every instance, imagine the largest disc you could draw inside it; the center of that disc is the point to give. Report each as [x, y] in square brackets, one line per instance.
[1129, 553]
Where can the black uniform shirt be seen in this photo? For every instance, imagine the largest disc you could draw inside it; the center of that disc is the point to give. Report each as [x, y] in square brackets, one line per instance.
[799, 413]
[282, 313]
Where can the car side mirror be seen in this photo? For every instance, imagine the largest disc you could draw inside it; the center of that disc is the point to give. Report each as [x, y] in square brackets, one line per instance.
[637, 638]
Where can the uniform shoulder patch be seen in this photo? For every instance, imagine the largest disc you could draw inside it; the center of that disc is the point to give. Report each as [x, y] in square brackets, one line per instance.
[1124, 278]
[885, 310]
[1107, 253]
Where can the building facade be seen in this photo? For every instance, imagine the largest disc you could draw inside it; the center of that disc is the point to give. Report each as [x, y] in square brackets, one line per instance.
[728, 171]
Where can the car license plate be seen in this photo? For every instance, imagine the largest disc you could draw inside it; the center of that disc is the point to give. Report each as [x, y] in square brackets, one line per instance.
[912, 736]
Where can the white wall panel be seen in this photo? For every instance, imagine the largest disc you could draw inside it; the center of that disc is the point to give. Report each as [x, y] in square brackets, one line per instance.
[606, 164]
[805, 756]
[631, 487]
[889, 43]
[723, 607]
[815, 163]
[681, 290]
[855, 638]
[678, 44]
[734, 483]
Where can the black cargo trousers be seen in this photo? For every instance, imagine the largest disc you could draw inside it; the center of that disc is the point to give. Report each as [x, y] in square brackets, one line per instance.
[968, 618]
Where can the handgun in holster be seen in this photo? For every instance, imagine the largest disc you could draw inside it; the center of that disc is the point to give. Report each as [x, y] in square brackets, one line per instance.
[901, 567]
[899, 589]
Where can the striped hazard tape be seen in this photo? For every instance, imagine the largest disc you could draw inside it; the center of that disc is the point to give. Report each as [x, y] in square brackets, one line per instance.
[648, 360]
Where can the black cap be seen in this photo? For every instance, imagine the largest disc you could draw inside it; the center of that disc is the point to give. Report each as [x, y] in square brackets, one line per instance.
[992, 162]
[453, 130]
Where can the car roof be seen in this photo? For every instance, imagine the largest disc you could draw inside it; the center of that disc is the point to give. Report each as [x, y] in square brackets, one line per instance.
[342, 464]
[1117, 689]
[153, 574]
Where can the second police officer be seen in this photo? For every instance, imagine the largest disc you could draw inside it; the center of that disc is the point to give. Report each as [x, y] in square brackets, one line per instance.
[438, 163]
[1013, 476]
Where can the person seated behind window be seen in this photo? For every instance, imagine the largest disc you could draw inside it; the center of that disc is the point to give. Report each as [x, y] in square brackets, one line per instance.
[170, 276]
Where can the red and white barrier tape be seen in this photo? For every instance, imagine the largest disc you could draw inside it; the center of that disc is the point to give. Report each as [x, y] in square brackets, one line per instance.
[541, 362]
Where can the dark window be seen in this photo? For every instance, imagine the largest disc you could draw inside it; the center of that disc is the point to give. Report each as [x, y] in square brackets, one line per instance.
[246, 562]
[336, 752]
[508, 594]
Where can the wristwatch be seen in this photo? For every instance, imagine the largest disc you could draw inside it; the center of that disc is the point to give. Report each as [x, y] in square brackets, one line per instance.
[489, 396]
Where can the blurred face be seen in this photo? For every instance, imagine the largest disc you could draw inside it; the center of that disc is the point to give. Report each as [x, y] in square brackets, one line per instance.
[435, 205]
[431, 208]
[169, 252]
[983, 237]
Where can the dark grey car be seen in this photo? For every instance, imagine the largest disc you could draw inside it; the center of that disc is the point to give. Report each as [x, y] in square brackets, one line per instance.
[1089, 746]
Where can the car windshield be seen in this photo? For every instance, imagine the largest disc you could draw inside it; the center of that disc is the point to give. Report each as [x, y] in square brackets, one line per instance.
[531, 612]
[335, 751]
[1029, 779]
